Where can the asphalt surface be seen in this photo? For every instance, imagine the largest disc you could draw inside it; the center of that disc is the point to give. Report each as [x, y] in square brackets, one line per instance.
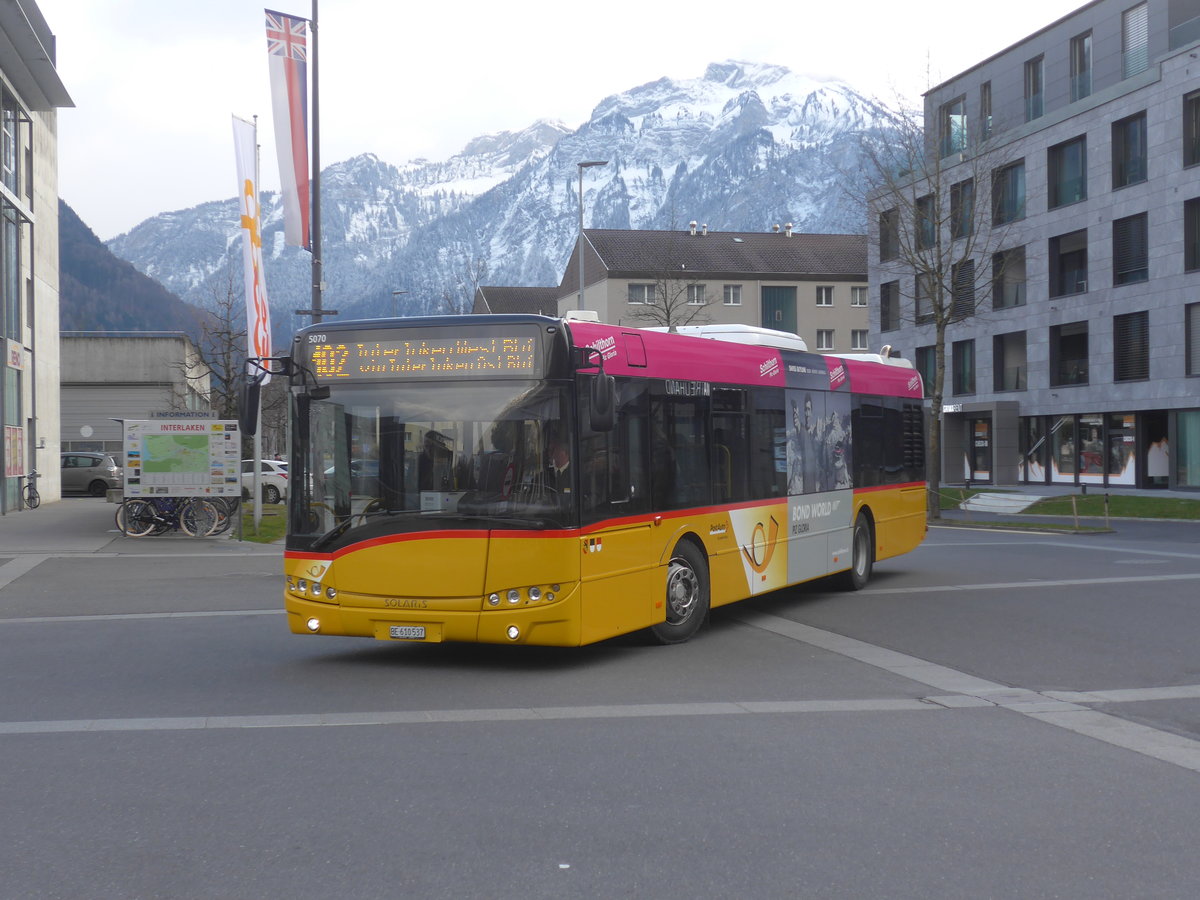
[997, 715]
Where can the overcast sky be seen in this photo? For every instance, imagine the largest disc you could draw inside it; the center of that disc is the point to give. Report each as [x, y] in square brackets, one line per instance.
[156, 81]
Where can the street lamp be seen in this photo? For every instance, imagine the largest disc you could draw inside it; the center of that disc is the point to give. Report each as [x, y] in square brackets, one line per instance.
[582, 166]
[396, 302]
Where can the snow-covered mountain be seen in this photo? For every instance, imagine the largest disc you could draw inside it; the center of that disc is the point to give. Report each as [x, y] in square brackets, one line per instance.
[742, 148]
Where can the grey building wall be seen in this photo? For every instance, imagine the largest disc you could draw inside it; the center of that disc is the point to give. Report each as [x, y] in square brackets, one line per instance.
[1173, 72]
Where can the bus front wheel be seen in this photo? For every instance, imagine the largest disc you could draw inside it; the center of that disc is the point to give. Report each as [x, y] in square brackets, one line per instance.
[862, 555]
[687, 595]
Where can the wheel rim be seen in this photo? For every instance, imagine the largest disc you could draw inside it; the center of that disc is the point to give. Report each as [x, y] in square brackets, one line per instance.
[271, 494]
[683, 591]
[861, 552]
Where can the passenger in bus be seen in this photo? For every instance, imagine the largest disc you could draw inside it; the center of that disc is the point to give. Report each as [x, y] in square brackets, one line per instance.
[558, 461]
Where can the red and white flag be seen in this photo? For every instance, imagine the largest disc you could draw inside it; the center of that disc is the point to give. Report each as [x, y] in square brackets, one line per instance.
[287, 56]
[258, 314]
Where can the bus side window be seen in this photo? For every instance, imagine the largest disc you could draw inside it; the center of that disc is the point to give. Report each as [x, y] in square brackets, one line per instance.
[612, 471]
[867, 427]
[767, 462]
[731, 444]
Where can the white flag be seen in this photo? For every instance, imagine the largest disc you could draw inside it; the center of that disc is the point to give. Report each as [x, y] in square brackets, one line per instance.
[258, 314]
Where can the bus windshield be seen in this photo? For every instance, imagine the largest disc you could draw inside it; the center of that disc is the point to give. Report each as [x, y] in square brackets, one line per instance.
[388, 457]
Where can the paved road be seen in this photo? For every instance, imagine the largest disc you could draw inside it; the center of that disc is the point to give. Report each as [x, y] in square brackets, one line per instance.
[997, 715]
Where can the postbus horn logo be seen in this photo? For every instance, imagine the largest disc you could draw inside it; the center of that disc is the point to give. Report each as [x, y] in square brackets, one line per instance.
[762, 539]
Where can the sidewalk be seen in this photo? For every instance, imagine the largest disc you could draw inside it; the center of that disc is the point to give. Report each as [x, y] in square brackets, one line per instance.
[87, 525]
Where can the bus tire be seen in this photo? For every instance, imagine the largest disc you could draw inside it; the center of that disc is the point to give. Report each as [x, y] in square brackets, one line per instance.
[687, 595]
[862, 555]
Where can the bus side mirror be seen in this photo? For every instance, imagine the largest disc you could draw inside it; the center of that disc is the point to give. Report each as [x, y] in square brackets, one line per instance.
[603, 405]
[248, 395]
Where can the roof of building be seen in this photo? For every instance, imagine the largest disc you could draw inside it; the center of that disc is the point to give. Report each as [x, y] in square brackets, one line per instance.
[540, 300]
[781, 254]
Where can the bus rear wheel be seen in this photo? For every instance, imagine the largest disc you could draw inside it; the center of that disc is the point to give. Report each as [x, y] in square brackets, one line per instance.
[687, 595]
[862, 555]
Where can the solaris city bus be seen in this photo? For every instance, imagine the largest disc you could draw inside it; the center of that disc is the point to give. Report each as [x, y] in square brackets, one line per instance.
[520, 479]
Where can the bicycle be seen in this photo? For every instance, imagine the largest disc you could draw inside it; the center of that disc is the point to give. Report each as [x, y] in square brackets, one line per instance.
[29, 494]
[194, 516]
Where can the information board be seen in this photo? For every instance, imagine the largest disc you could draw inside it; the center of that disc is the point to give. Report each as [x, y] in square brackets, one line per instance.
[182, 459]
[487, 352]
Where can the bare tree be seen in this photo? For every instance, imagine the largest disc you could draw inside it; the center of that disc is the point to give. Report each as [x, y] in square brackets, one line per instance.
[459, 300]
[677, 296]
[935, 241]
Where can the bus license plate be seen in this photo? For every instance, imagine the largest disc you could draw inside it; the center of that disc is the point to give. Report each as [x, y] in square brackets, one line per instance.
[407, 632]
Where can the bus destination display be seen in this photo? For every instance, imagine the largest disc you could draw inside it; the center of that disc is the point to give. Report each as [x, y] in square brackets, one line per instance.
[354, 356]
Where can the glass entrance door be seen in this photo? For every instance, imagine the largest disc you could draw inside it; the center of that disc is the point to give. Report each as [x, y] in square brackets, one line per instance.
[980, 451]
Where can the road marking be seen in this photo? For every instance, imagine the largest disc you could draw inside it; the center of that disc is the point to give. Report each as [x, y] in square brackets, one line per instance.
[18, 566]
[1050, 708]
[445, 716]
[42, 620]
[1129, 695]
[1033, 583]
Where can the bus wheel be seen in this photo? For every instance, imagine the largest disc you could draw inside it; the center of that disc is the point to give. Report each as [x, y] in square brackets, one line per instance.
[862, 555]
[687, 595]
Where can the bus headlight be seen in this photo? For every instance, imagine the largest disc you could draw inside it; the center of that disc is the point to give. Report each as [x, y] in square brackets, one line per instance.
[513, 632]
[302, 585]
[514, 596]
[535, 594]
[493, 599]
[314, 625]
[331, 593]
[316, 589]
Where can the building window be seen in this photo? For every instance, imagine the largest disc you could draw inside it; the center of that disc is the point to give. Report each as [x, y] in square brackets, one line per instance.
[1131, 253]
[1191, 321]
[695, 295]
[1135, 39]
[1129, 151]
[858, 296]
[641, 293]
[858, 339]
[922, 299]
[985, 110]
[824, 338]
[1191, 234]
[962, 208]
[1131, 347]
[1009, 361]
[1191, 129]
[731, 295]
[963, 367]
[889, 306]
[1008, 193]
[1033, 89]
[1068, 263]
[889, 234]
[963, 274]
[1068, 172]
[1008, 278]
[824, 295]
[953, 126]
[1081, 66]
[926, 223]
[9, 141]
[1069, 354]
[926, 363]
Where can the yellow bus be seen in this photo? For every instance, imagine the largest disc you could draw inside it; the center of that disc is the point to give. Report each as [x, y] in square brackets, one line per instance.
[520, 479]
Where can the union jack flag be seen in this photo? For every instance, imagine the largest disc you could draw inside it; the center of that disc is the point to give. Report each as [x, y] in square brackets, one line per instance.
[287, 36]
[287, 58]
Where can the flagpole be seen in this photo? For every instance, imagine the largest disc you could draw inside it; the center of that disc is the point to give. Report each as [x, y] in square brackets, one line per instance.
[316, 178]
[255, 482]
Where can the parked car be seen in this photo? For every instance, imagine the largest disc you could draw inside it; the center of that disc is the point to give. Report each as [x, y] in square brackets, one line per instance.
[272, 479]
[90, 473]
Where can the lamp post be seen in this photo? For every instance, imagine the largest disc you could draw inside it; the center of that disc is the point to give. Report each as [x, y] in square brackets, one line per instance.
[582, 166]
[396, 302]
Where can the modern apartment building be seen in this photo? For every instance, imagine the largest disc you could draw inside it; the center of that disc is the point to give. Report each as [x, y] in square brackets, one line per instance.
[1081, 361]
[813, 285]
[30, 94]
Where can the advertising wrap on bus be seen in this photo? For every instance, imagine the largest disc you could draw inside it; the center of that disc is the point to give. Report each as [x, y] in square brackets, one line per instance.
[522, 479]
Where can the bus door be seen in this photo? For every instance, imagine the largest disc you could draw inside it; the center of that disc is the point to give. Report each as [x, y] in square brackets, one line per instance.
[619, 544]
